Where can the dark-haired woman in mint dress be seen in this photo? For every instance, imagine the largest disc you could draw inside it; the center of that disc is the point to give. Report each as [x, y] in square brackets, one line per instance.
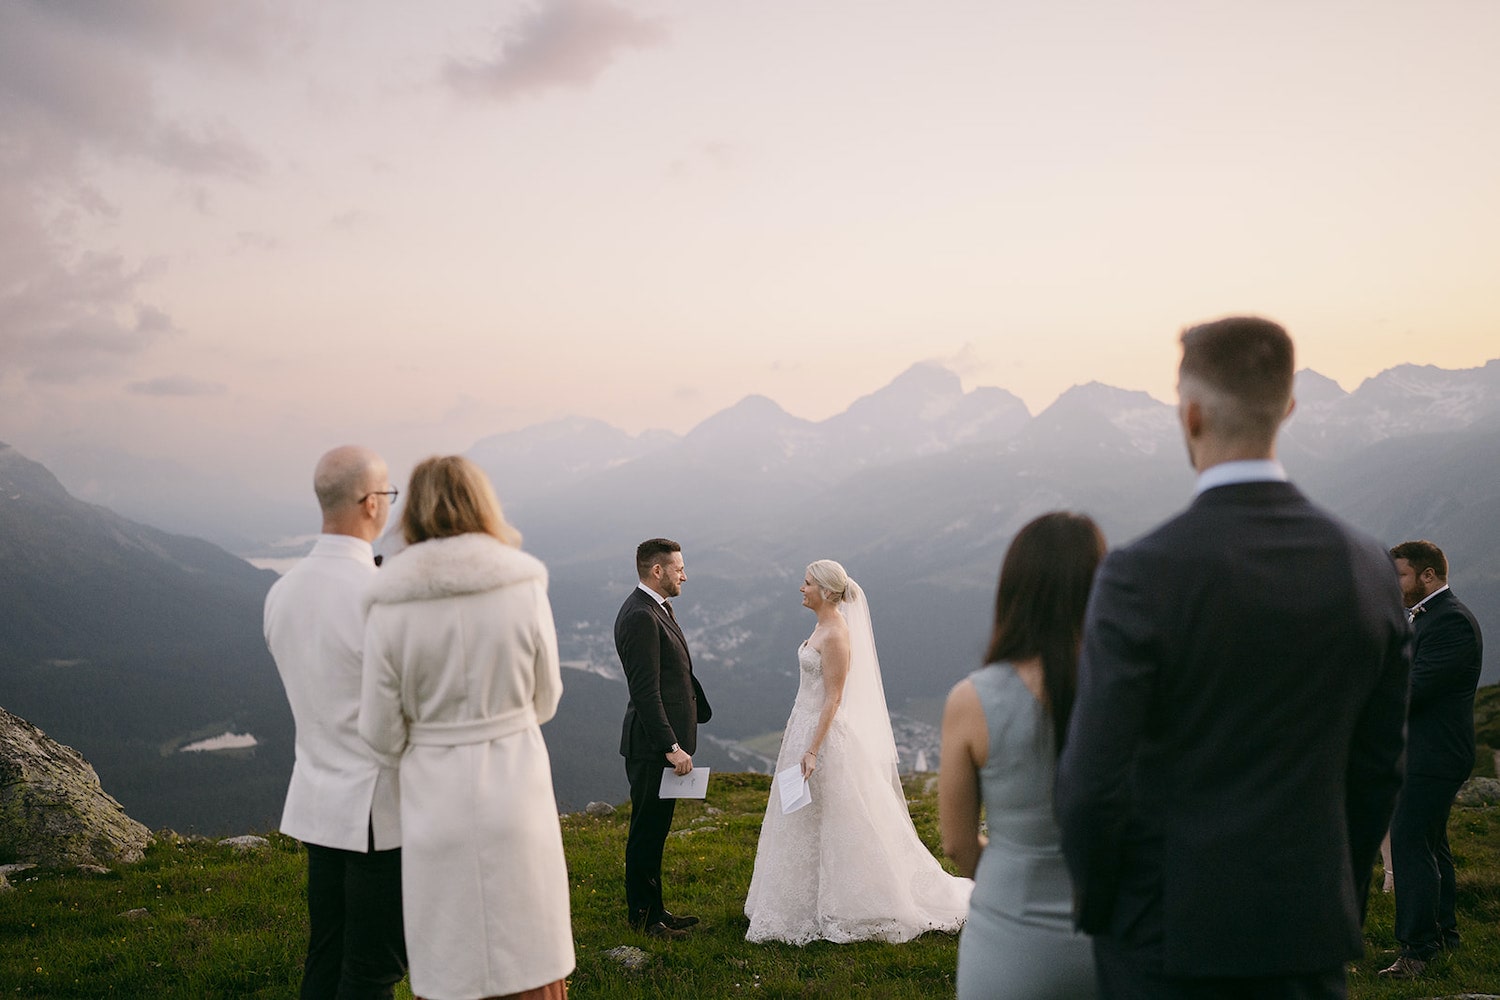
[1002, 732]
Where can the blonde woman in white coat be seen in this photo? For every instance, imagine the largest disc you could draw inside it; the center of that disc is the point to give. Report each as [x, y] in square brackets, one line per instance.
[460, 670]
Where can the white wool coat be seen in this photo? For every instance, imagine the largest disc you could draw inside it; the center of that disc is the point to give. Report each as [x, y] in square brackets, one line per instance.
[460, 670]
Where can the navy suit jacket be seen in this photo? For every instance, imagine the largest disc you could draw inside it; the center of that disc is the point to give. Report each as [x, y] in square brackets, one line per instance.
[666, 701]
[1445, 666]
[1233, 756]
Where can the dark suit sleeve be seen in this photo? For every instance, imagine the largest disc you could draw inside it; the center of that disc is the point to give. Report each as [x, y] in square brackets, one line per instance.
[639, 646]
[1374, 773]
[1116, 674]
[705, 710]
[1445, 663]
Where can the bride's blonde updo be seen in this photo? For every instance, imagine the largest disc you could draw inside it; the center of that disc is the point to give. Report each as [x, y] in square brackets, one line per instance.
[832, 581]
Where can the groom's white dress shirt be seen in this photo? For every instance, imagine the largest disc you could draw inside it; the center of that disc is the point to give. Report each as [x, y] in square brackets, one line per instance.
[314, 626]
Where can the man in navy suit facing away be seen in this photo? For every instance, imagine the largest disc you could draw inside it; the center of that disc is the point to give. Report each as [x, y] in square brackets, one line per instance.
[1234, 751]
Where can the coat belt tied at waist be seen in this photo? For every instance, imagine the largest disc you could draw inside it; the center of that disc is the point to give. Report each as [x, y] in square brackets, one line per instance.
[455, 734]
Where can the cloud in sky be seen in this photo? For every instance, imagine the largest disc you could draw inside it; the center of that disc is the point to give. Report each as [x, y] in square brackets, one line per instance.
[966, 361]
[705, 157]
[77, 80]
[80, 336]
[249, 239]
[66, 84]
[177, 385]
[556, 44]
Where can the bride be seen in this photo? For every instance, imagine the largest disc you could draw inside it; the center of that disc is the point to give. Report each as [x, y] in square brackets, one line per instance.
[849, 866]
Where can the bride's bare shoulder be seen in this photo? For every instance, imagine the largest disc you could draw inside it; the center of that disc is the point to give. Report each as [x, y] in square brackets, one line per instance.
[829, 637]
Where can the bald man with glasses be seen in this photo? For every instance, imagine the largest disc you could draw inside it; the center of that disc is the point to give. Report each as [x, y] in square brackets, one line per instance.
[343, 802]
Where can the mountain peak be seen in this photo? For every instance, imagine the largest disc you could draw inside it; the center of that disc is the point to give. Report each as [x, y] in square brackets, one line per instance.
[921, 384]
[758, 405]
[1311, 387]
[928, 376]
[1099, 396]
[752, 415]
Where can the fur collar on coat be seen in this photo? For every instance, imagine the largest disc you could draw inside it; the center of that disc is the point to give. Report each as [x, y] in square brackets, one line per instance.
[447, 567]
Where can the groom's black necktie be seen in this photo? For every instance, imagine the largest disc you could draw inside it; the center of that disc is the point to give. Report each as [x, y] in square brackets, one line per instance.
[668, 606]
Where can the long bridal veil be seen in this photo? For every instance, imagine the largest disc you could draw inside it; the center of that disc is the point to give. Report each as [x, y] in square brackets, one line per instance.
[864, 707]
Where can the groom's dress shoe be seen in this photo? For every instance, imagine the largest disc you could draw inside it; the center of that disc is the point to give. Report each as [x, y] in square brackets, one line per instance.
[661, 930]
[678, 923]
[1404, 968]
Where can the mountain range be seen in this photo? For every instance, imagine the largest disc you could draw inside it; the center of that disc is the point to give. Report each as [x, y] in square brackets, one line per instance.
[126, 641]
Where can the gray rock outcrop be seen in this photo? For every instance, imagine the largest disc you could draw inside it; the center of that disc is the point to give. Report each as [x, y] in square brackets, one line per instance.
[1479, 792]
[52, 809]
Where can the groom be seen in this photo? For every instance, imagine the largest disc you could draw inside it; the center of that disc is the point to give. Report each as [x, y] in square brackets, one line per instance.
[661, 726]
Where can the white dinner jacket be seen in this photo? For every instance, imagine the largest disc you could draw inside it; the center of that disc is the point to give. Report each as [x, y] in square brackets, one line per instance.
[315, 625]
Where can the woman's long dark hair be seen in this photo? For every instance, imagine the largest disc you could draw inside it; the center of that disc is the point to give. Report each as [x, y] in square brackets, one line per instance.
[1039, 604]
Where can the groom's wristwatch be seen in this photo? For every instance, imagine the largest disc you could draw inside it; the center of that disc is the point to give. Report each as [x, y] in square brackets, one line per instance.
[674, 748]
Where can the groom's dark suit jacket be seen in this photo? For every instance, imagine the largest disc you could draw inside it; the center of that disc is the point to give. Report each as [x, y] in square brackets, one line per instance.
[1234, 751]
[1445, 666]
[666, 701]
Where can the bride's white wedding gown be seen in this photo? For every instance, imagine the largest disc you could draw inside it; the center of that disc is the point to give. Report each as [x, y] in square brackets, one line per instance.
[850, 866]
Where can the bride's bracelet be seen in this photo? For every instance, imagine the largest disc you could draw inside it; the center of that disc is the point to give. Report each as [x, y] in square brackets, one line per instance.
[813, 752]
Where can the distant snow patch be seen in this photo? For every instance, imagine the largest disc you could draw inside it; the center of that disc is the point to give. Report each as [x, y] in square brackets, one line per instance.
[225, 741]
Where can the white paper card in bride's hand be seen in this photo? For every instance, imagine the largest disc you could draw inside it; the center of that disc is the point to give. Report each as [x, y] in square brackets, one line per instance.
[795, 791]
[693, 785]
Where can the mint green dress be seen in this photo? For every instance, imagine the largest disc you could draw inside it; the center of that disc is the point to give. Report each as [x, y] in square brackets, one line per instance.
[1018, 942]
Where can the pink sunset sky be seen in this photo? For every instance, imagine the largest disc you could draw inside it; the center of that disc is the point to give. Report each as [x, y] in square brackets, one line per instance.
[236, 233]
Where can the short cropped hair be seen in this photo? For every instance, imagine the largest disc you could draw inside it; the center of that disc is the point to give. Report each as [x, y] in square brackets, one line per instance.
[450, 495]
[1422, 555]
[653, 551]
[1244, 365]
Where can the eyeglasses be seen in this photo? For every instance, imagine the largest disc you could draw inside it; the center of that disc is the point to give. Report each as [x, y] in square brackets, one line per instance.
[392, 493]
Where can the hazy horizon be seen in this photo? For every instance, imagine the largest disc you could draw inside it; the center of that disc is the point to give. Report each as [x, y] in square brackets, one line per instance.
[232, 235]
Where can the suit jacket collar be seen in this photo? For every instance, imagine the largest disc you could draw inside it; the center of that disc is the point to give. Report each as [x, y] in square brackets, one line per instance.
[652, 601]
[1258, 492]
[1432, 603]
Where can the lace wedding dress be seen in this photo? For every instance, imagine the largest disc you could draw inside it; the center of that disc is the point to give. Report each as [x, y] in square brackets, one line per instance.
[850, 866]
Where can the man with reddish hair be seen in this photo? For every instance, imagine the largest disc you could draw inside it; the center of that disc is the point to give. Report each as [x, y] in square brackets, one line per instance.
[1439, 756]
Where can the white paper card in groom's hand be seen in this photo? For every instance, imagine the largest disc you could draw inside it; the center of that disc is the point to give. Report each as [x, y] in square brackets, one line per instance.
[795, 791]
[693, 785]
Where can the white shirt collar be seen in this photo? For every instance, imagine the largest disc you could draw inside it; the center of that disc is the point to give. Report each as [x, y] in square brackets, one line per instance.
[660, 600]
[1256, 470]
[343, 547]
[1429, 597]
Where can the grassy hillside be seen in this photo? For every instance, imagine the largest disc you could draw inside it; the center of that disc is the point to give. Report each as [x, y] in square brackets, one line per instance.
[1487, 717]
[222, 924]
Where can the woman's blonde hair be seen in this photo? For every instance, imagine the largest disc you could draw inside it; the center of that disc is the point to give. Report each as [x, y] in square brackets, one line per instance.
[450, 495]
[831, 580]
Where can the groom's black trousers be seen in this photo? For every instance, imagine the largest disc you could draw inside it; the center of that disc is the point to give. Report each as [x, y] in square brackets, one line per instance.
[1426, 911]
[356, 949]
[650, 819]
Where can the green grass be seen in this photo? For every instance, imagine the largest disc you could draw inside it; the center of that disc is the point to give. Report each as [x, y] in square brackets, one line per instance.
[222, 924]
